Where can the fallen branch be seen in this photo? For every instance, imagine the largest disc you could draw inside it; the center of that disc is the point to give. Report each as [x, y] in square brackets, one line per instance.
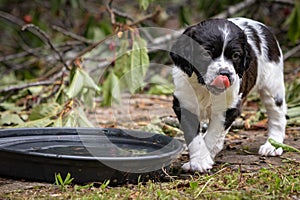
[43, 37]
[25, 53]
[51, 81]
[28, 85]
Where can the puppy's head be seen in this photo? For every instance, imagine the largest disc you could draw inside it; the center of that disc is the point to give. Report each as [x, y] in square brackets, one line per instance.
[216, 50]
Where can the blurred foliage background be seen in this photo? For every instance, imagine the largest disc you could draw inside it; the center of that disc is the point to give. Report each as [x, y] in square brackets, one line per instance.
[59, 58]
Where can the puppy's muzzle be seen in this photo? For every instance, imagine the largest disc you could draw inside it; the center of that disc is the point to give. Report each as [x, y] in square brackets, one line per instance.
[223, 79]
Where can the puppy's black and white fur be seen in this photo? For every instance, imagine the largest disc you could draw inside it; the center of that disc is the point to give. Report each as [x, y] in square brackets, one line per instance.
[247, 53]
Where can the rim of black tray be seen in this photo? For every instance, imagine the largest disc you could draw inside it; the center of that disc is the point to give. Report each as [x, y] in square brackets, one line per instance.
[177, 146]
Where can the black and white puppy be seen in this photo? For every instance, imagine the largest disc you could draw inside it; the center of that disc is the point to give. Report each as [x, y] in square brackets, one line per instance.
[217, 63]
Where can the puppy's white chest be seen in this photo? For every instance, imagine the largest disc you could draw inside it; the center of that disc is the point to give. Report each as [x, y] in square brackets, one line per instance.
[192, 95]
[197, 99]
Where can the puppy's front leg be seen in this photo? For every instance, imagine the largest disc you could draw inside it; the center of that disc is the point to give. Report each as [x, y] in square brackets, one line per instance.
[200, 159]
[215, 135]
[221, 121]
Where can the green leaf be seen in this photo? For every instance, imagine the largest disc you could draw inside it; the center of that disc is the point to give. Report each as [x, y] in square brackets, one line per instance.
[58, 179]
[44, 110]
[193, 185]
[122, 63]
[10, 119]
[283, 146]
[36, 89]
[115, 88]
[129, 71]
[83, 121]
[294, 121]
[139, 63]
[184, 15]
[60, 96]
[11, 107]
[88, 81]
[81, 80]
[106, 93]
[133, 78]
[293, 112]
[161, 89]
[144, 4]
[44, 122]
[105, 184]
[76, 85]
[77, 118]
[294, 23]
[88, 98]
[111, 90]
[70, 121]
[144, 57]
[68, 180]
[293, 94]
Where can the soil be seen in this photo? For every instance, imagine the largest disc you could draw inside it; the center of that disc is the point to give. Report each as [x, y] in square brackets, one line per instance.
[136, 112]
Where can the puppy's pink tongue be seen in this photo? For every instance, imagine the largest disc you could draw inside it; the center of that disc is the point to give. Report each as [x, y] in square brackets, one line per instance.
[221, 82]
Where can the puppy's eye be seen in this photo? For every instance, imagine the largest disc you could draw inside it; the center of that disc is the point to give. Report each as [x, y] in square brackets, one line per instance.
[209, 53]
[236, 56]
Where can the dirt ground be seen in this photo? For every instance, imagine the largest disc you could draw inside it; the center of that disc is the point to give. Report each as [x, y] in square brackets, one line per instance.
[136, 112]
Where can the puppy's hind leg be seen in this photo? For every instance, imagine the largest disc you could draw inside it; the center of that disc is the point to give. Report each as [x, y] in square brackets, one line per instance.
[273, 97]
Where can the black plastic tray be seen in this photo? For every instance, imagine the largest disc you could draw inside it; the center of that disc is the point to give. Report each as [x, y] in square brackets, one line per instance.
[88, 154]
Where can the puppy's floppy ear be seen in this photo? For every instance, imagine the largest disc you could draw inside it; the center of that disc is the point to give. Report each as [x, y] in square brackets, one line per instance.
[248, 59]
[248, 70]
[188, 53]
[182, 52]
[249, 56]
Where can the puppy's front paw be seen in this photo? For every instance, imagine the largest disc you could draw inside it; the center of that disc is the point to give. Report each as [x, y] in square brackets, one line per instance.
[268, 150]
[199, 165]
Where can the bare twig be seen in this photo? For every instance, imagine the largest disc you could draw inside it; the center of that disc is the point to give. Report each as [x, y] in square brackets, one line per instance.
[285, 2]
[72, 35]
[14, 56]
[111, 12]
[14, 67]
[291, 52]
[28, 85]
[44, 36]
[235, 8]
[150, 16]
[11, 18]
[61, 47]
[89, 48]
[121, 14]
[51, 81]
